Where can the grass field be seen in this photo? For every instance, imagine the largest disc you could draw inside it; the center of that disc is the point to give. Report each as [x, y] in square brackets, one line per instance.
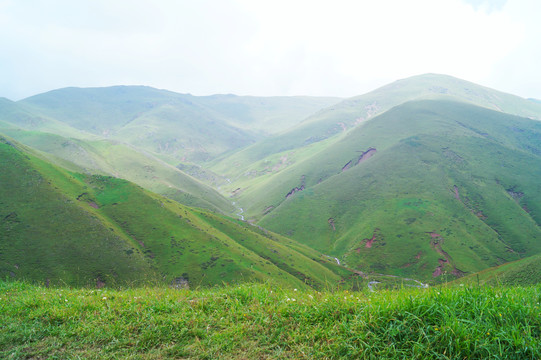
[268, 322]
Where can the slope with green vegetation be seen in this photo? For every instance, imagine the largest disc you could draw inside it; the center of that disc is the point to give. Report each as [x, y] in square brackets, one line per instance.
[523, 272]
[98, 230]
[15, 116]
[447, 188]
[108, 157]
[266, 321]
[329, 124]
[177, 127]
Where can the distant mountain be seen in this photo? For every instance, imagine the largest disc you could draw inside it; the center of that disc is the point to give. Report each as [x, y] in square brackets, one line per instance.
[178, 127]
[327, 125]
[62, 227]
[147, 135]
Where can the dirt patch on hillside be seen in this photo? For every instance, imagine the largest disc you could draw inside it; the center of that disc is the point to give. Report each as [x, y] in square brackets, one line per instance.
[436, 244]
[294, 190]
[93, 204]
[331, 224]
[439, 269]
[298, 188]
[457, 195]
[366, 155]
[369, 242]
[283, 163]
[347, 166]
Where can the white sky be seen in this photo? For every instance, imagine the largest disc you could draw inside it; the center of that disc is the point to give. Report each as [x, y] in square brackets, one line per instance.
[260, 47]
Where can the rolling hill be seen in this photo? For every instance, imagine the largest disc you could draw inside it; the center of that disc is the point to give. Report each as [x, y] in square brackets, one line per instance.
[328, 125]
[176, 127]
[64, 227]
[430, 178]
[110, 157]
[427, 187]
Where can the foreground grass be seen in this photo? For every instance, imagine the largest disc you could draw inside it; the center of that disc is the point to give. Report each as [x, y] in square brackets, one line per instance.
[259, 321]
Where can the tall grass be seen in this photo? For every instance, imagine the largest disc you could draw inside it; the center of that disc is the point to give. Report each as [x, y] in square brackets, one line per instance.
[262, 321]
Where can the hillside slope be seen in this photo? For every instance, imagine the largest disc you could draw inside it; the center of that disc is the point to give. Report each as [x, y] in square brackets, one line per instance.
[266, 157]
[98, 230]
[523, 272]
[177, 127]
[109, 157]
[426, 188]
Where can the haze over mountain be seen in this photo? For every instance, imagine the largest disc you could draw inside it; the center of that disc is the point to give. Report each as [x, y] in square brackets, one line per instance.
[429, 177]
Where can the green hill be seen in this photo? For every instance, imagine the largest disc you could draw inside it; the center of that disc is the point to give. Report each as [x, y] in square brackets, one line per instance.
[109, 157]
[177, 127]
[328, 125]
[427, 178]
[447, 188]
[99, 230]
[523, 272]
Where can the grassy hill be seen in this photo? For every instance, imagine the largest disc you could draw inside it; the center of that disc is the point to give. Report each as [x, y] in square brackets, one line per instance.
[328, 125]
[448, 188]
[98, 230]
[177, 127]
[523, 272]
[269, 322]
[109, 157]
[15, 116]
[429, 178]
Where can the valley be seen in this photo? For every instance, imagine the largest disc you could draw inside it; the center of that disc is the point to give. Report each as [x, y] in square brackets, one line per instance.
[430, 178]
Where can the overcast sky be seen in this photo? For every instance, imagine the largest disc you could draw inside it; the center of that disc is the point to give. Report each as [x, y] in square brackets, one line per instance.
[278, 47]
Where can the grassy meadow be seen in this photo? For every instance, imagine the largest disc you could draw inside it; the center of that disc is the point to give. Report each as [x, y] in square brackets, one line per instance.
[268, 322]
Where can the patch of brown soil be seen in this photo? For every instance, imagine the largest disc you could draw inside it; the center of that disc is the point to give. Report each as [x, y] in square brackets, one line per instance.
[294, 190]
[331, 223]
[93, 204]
[282, 163]
[366, 155]
[435, 243]
[439, 269]
[347, 166]
[369, 242]
[457, 195]
[268, 210]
